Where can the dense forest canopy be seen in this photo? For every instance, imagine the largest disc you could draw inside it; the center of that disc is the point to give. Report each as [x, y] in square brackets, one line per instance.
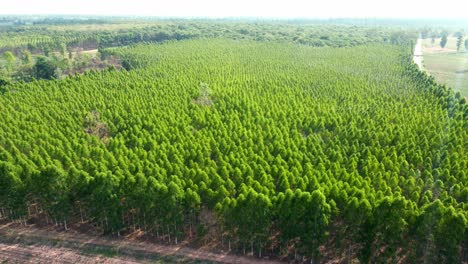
[291, 145]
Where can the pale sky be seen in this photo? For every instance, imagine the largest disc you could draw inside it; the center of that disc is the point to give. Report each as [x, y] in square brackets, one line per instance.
[245, 8]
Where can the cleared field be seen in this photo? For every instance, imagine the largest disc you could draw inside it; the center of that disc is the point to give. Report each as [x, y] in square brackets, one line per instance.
[446, 65]
[429, 46]
[450, 69]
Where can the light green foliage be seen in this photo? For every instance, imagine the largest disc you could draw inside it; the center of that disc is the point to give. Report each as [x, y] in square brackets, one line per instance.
[10, 59]
[298, 143]
[27, 58]
[449, 68]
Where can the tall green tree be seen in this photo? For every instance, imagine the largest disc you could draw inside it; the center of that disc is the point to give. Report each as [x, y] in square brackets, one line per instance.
[12, 191]
[443, 41]
[459, 43]
[44, 69]
[3, 82]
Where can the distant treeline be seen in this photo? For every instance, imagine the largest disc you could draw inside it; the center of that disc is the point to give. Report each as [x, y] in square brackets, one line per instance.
[44, 37]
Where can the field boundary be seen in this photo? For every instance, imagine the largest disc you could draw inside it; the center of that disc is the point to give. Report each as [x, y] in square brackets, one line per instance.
[86, 244]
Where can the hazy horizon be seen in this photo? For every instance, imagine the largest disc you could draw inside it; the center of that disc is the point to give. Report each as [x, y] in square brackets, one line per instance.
[397, 9]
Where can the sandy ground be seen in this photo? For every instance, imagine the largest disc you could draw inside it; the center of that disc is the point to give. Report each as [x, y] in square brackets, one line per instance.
[44, 245]
[417, 58]
[17, 253]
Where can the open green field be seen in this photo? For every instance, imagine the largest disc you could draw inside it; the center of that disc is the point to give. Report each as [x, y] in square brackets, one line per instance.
[450, 69]
[446, 65]
[451, 43]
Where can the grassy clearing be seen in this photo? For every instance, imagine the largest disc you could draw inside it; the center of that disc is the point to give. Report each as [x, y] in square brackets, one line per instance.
[450, 69]
[446, 65]
[451, 43]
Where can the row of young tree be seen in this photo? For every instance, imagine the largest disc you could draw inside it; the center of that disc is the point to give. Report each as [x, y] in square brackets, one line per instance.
[443, 35]
[461, 42]
[296, 150]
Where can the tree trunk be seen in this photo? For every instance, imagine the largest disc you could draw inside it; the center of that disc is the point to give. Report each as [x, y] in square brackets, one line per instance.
[175, 232]
[169, 233]
[65, 224]
[144, 222]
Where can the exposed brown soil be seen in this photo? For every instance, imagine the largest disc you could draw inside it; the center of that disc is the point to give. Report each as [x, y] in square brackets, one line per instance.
[18, 253]
[19, 244]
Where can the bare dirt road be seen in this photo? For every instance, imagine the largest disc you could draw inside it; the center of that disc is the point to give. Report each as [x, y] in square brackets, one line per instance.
[18, 253]
[41, 245]
[417, 57]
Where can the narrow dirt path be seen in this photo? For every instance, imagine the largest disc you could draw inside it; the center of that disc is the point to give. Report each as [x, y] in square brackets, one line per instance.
[417, 56]
[28, 244]
[18, 253]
